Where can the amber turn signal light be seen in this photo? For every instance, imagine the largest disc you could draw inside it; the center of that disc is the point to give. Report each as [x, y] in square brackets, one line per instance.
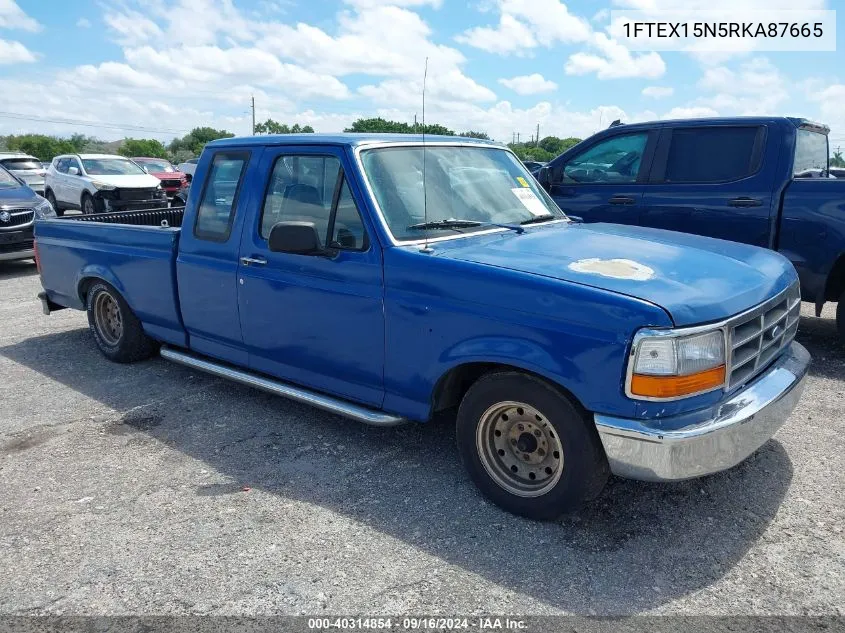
[677, 386]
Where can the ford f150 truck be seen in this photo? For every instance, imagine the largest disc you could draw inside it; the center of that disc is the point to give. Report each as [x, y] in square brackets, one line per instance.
[391, 278]
[761, 181]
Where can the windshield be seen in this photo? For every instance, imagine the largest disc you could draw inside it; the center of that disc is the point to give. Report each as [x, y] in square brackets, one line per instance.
[811, 154]
[7, 181]
[471, 184]
[110, 167]
[21, 163]
[157, 166]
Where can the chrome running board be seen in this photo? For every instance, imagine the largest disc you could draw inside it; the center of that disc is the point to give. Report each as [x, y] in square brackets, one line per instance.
[271, 385]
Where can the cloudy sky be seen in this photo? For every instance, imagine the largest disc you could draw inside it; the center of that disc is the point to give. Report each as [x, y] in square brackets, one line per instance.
[157, 68]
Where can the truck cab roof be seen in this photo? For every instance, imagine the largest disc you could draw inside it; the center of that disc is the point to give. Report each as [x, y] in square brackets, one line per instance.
[746, 120]
[349, 139]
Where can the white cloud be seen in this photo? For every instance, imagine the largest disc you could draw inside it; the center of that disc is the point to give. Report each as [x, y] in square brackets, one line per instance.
[132, 28]
[529, 84]
[691, 112]
[526, 24]
[615, 61]
[510, 36]
[83, 23]
[658, 92]
[15, 53]
[756, 88]
[13, 17]
[369, 4]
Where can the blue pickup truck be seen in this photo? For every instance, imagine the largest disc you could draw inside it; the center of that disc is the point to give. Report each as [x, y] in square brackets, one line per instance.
[763, 181]
[394, 278]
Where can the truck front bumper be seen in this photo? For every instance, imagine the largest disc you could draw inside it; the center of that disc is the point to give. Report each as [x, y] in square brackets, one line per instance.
[712, 440]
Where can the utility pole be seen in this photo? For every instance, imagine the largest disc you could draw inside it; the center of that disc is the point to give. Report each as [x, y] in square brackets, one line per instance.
[253, 115]
[517, 137]
[415, 124]
[513, 138]
[538, 135]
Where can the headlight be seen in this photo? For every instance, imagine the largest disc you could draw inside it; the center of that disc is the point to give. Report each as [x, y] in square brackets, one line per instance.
[44, 210]
[666, 364]
[103, 186]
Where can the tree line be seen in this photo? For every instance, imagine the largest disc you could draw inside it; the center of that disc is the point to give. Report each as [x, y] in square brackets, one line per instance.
[45, 147]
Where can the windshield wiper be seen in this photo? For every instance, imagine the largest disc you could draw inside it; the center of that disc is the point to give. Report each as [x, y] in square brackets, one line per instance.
[461, 224]
[539, 218]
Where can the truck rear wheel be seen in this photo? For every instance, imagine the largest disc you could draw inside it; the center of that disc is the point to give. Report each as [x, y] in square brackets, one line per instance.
[528, 447]
[117, 331]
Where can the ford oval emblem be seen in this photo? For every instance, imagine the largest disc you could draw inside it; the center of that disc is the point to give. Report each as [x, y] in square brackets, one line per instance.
[5, 217]
[775, 332]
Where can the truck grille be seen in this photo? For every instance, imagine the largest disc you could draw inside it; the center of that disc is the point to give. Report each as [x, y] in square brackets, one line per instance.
[758, 337]
[171, 183]
[15, 247]
[17, 217]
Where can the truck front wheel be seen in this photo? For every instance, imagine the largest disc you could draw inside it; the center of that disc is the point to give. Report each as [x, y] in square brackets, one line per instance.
[117, 331]
[528, 447]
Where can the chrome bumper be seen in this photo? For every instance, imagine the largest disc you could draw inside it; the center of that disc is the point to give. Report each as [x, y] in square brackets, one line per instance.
[714, 439]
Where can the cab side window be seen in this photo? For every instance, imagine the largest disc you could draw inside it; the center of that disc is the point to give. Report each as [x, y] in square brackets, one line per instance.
[313, 189]
[614, 160]
[216, 210]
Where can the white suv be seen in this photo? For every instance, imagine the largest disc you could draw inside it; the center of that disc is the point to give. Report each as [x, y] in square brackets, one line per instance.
[26, 167]
[97, 183]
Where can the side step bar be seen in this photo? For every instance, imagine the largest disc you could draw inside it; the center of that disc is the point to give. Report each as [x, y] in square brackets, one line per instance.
[319, 400]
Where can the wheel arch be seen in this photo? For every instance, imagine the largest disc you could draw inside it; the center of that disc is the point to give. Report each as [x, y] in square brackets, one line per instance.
[835, 283]
[453, 384]
[91, 275]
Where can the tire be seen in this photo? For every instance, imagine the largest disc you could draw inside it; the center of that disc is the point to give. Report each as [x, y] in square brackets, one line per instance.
[522, 461]
[117, 331]
[51, 198]
[87, 204]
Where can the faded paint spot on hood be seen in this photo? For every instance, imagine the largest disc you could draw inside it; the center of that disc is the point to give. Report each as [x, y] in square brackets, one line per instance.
[613, 268]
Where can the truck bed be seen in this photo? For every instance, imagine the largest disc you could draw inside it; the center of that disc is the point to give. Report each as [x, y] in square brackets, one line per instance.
[135, 251]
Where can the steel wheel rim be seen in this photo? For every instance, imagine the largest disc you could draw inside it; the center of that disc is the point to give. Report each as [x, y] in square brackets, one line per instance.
[107, 318]
[519, 448]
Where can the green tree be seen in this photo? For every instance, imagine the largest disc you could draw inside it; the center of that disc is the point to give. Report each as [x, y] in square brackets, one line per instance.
[196, 139]
[837, 160]
[143, 147]
[556, 146]
[380, 125]
[274, 127]
[41, 146]
[473, 134]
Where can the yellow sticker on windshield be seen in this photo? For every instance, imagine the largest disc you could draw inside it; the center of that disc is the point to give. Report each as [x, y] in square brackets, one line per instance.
[522, 181]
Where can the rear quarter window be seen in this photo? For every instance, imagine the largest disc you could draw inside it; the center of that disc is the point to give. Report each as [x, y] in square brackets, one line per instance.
[811, 154]
[216, 209]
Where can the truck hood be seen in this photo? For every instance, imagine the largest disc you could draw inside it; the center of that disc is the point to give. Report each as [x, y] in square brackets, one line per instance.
[140, 181]
[695, 279]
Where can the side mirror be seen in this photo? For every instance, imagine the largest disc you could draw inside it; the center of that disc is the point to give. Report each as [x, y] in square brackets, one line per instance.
[577, 219]
[73, 171]
[544, 177]
[299, 238]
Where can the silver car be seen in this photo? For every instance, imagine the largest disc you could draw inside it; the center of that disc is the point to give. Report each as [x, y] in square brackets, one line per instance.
[27, 168]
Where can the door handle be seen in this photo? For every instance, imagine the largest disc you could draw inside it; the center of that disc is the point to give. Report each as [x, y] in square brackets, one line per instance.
[621, 200]
[253, 261]
[745, 202]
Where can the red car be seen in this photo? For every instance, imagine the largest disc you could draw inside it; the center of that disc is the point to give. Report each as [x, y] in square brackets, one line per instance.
[171, 179]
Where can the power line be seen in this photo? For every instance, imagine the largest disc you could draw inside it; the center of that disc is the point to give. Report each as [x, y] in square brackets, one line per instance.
[111, 126]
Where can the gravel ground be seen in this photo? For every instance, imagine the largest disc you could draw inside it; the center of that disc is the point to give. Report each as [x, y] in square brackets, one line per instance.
[152, 489]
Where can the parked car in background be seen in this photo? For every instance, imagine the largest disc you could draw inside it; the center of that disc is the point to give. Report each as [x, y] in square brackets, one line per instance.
[762, 181]
[19, 207]
[188, 168]
[172, 180]
[96, 183]
[27, 168]
[328, 269]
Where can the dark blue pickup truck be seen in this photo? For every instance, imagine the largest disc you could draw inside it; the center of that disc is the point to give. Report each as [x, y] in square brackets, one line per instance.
[389, 279]
[761, 181]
